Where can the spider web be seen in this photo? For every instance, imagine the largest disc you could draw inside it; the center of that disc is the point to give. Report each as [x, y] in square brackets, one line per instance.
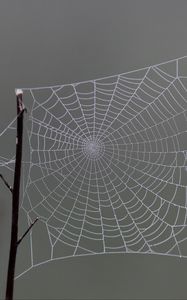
[106, 171]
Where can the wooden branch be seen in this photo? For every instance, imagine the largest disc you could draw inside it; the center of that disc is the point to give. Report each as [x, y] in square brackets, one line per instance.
[27, 231]
[6, 183]
[15, 197]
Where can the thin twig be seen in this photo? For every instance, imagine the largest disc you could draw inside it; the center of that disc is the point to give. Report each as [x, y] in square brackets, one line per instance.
[6, 183]
[27, 231]
[15, 198]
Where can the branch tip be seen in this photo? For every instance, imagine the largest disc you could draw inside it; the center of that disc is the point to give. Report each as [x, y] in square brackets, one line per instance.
[18, 92]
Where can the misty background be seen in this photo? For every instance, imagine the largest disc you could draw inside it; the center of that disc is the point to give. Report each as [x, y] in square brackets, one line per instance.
[57, 42]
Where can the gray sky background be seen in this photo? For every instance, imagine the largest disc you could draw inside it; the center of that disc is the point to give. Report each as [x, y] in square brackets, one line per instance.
[53, 42]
